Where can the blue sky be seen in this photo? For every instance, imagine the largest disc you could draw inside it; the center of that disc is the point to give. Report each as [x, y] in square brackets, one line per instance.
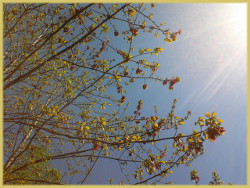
[210, 58]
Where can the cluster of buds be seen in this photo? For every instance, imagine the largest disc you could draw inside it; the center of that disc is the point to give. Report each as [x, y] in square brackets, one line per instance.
[103, 47]
[194, 176]
[138, 71]
[154, 163]
[138, 121]
[162, 122]
[95, 66]
[123, 99]
[116, 33]
[172, 81]
[139, 107]
[122, 53]
[131, 153]
[196, 147]
[131, 12]
[145, 86]
[156, 126]
[213, 133]
[134, 31]
[137, 113]
[177, 141]
[119, 89]
[180, 32]
[174, 35]
[96, 147]
[166, 81]
[162, 155]
[97, 55]
[126, 73]
[142, 26]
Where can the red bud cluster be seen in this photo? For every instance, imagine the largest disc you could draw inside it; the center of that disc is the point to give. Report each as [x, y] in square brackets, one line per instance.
[138, 71]
[213, 133]
[196, 179]
[94, 66]
[116, 33]
[123, 99]
[194, 176]
[103, 47]
[165, 81]
[96, 146]
[134, 31]
[126, 73]
[139, 107]
[162, 155]
[119, 89]
[173, 81]
[145, 86]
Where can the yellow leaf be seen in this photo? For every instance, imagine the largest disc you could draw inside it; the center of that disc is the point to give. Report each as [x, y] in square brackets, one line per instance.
[155, 125]
[201, 119]
[213, 114]
[220, 120]
[190, 140]
[185, 148]
[181, 122]
[208, 114]
[174, 145]
[87, 127]
[201, 124]
[170, 172]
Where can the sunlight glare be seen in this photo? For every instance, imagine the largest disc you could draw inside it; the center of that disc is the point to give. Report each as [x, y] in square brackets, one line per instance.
[239, 18]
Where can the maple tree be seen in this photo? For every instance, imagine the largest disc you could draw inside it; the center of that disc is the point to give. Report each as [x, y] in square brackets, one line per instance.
[65, 95]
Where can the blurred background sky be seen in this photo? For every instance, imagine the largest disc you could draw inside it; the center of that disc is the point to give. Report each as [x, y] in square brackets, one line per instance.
[210, 58]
